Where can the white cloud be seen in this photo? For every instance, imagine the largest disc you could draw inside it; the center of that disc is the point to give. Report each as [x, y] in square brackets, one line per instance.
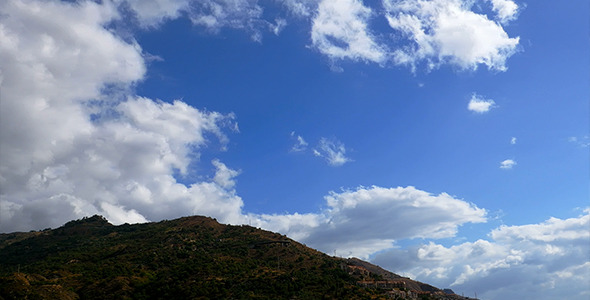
[333, 151]
[544, 261]
[439, 31]
[123, 170]
[300, 143]
[479, 104]
[506, 10]
[297, 226]
[366, 220]
[214, 15]
[340, 31]
[507, 164]
[224, 176]
[72, 147]
[583, 141]
[513, 141]
[448, 31]
[236, 14]
[300, 8]
[153, 12]
[279, 25]
[46, 78]
[553, 230]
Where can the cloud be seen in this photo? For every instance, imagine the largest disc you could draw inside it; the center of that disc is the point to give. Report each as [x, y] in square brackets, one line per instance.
[224, 176]
[279, 25]
[75, 141]
[340, 31]
[506, 10]
[479, 104]
[333, 151]
[448, 31]
[507, 164]
[46, 76]
[236, 14]
[124, 169]
[583, 141]
[513, 141]
[367, 220]
[554, 231]
[300, 143]
[548, 260]
[300, 8]
[432, 32]
[151, 13]
[214, 15]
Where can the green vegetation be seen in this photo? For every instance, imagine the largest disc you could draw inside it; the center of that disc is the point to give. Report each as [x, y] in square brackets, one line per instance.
[187, 258]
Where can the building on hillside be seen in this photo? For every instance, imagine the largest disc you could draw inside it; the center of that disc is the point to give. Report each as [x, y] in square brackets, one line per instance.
[357, 270]
[383, 284]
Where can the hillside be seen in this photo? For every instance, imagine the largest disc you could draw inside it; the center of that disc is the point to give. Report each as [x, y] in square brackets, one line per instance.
[187, 258]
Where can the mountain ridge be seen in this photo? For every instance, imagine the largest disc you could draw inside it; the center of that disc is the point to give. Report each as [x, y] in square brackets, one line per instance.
[192, 257]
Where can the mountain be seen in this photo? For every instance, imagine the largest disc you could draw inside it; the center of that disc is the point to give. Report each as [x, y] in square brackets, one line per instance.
[188, 258]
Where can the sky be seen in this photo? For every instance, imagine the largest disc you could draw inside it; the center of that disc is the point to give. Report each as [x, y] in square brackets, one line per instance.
[445, 140]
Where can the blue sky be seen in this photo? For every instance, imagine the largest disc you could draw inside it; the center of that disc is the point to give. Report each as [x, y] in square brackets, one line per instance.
[445, 140]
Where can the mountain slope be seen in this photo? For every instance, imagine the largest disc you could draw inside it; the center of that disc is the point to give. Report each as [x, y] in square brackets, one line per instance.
[187, 258]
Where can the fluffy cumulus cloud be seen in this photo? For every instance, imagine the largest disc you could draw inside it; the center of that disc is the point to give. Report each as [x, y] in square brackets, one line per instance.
[45, 62]
[506, 10]
[366, 220]
[340, 31]
[479, 104]
[333, 151]
[76, 142]
[433, 32]
[549, 260]
[448, 31]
